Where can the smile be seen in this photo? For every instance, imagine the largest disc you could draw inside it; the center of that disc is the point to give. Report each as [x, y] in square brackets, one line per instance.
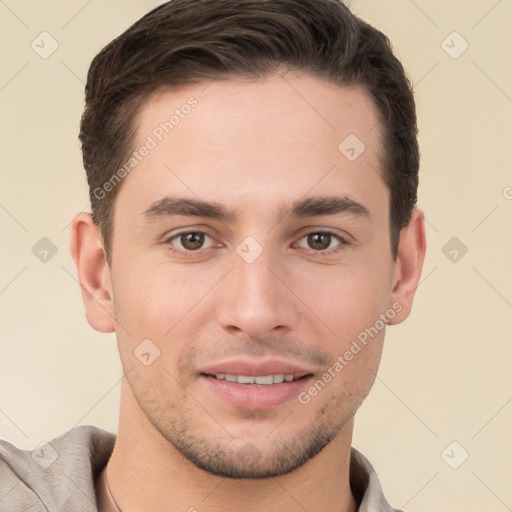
[262, 380]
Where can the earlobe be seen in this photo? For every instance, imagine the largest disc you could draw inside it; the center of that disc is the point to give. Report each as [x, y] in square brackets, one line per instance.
[408, 265]
[93, 273]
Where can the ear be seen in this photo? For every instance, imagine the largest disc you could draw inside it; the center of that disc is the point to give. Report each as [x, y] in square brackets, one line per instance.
[408, 266]
[93, 273]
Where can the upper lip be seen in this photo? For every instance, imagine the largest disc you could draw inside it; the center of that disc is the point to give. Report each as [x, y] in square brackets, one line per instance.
[255, 368]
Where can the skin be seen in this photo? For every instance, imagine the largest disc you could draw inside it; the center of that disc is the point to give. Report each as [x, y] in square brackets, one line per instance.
[255, 148]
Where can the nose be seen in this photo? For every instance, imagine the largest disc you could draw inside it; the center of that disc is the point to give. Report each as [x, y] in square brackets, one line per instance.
[256, 299]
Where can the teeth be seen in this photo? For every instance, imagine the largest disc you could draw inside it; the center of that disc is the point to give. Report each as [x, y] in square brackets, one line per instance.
[264, 380]
[242, 379]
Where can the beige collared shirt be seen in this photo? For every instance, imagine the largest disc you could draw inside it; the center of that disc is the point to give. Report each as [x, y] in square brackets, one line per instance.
[66, 475]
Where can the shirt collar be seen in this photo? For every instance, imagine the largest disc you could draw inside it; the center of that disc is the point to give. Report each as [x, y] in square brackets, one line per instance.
[365, 485]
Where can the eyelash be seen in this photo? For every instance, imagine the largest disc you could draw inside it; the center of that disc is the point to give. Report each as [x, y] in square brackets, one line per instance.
[192, 254]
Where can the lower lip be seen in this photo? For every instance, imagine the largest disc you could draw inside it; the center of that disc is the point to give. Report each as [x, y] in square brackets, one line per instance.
[256, 397]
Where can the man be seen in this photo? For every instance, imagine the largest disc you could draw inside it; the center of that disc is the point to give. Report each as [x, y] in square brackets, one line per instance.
[253, 169]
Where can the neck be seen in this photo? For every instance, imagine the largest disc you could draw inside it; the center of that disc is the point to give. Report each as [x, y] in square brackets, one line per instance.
[146, 473]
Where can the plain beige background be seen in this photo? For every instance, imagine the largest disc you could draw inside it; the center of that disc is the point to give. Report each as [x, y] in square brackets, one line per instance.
[445, 375]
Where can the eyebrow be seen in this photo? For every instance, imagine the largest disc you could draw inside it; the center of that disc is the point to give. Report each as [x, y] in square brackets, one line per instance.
[310, 207]
[330, 205]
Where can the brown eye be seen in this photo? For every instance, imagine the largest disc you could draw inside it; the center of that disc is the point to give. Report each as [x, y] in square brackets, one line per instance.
[322, 242]
[192, 241]
[319, 241]
[188, 241]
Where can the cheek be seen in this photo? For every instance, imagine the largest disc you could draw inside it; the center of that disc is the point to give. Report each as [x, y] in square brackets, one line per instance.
[348, 299]
[351, 304]
[161, 304]
[151, 299]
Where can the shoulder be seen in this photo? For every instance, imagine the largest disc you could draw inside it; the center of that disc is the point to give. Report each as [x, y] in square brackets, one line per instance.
[56, 475]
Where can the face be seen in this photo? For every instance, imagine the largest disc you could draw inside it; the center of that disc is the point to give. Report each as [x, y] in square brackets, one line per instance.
[254, 255]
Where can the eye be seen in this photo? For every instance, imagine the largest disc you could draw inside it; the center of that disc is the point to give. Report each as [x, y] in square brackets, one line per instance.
[188, 241]
[322, 241]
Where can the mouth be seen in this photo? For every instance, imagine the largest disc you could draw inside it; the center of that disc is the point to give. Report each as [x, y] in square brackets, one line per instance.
[260, 380]
[255, 385]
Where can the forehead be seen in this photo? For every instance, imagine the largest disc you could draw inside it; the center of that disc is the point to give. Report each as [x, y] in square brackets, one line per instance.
[255, 140]
[298, 106]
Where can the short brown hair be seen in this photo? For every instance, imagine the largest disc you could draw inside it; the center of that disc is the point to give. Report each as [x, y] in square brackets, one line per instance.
[184, 42]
